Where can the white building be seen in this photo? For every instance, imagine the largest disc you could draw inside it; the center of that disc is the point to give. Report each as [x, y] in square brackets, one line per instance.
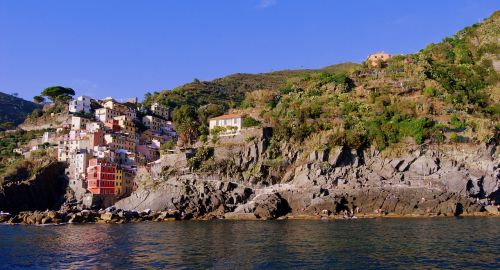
[105, 114]
[103, 152]
[63, 151]
[48, 137]
[230, 122]
[93, 126]
[79, 122]
[80, 162]
[80, 104]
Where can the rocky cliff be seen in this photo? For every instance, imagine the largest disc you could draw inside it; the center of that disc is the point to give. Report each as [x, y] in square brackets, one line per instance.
[249, 177]
[45, 190]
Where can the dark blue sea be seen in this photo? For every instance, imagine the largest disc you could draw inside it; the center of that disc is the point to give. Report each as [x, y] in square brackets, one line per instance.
[453, 243]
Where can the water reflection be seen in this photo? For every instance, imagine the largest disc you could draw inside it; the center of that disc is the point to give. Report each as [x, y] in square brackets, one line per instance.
[388, 243]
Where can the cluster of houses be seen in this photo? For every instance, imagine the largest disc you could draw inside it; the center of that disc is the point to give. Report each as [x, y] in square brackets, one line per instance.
[106, 140]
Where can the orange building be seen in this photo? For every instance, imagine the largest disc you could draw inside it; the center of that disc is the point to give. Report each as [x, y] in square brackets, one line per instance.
[112, 125]
[376, 58]
[101, 176]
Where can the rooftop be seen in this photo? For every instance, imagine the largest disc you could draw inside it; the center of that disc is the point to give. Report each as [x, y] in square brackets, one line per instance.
[226, 116]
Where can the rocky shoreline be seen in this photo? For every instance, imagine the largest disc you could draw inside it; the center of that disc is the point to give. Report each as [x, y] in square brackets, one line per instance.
[113, 215]
[239, 181]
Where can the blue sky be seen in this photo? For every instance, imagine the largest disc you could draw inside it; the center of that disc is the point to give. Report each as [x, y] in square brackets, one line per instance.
[124, 48]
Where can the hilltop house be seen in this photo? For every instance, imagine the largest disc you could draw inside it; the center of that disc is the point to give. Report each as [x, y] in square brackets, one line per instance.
[231, 124]
[80, 104]
[376, 58]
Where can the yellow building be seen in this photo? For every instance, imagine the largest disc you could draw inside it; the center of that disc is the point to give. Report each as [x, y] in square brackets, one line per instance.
[119, 189]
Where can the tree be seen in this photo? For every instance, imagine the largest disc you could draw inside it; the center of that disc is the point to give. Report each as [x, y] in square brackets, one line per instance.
[38, 99]
[209, 111]
[186, 122]
[58, 93]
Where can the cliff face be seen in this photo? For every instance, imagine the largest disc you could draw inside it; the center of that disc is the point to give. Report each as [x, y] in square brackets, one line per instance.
[43, 191]
[240, 180]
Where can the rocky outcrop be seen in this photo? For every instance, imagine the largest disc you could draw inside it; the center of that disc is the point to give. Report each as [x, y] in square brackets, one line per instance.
[263, 206]
[193, 197]
[45, 190]
[283, 180]
[254, 178]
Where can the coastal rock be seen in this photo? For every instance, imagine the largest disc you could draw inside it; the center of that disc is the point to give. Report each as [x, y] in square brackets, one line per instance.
[491, 209]
[270, 206]
[424, 166]
[263, 206]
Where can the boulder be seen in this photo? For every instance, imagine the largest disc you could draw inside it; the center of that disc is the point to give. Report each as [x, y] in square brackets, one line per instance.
[492, 209]
[270, 206]
[108, 216]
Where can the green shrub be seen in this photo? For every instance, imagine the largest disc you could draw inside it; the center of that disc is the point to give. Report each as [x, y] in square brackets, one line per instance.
[250, 122]
[429, 91]
[342, 80]
[202, 154]
[203, 138]
[454, 137]
[415, 127]
[456, 123]
[168, 145]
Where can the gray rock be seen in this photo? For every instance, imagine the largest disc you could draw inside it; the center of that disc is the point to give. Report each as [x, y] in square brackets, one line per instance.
[424, 166]
[492, 209]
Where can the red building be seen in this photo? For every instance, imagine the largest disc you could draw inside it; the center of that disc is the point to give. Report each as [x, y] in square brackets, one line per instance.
[101, 176]
[96, 138]
[112, 125]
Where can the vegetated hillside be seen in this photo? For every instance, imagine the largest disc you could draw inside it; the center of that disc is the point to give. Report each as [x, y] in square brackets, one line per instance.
[230, 91]
[447, 92]
[14, 110]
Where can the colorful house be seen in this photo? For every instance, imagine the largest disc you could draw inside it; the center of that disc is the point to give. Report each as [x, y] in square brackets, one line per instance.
[119, 182]
[101, 176]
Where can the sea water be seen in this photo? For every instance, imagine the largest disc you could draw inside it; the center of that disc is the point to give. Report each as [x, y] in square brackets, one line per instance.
[363, 243]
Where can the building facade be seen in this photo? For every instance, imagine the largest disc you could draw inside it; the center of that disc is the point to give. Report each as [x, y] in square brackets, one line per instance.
[105, 114]
[101, 176]
[79, 123]
[376, 58]
[160, 110]
[154, 123]
[80, 104]
[231, 124]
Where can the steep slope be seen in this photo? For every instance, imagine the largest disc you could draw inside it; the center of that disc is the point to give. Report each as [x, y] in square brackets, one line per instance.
[14, 109]
[416, 135]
